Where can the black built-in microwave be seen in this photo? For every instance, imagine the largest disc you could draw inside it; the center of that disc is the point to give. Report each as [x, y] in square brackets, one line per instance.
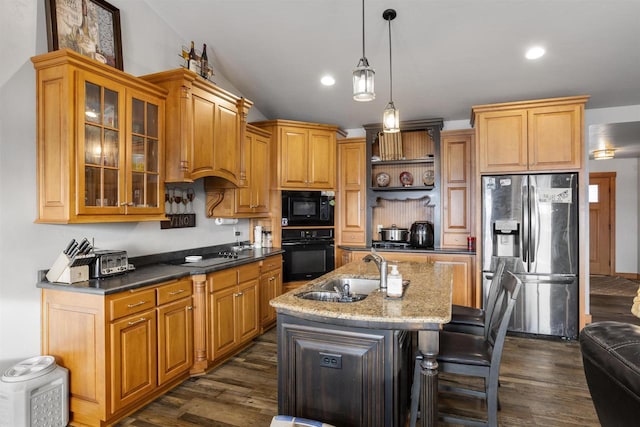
[312, 208]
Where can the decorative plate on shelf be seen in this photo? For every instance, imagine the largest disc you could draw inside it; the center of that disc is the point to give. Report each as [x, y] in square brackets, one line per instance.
[406, 179]
[383, 179]
[428, 177]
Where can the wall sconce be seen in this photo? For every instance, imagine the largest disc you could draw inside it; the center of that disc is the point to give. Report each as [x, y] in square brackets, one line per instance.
[605, 154]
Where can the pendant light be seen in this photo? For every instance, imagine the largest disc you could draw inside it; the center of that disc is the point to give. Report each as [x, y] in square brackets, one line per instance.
[363, 75]
[390, 117]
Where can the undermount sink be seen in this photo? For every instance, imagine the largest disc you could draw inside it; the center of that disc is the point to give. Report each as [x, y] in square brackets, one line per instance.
[341, 289]
[356, 285]
[330, 296]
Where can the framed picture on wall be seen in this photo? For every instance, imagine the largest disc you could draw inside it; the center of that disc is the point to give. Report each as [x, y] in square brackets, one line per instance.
[89, 27]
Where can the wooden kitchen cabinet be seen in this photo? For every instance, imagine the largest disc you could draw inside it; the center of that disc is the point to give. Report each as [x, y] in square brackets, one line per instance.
[244, 202]
[233, 310]
[303, 154]
[537, 135]
[352, 192]
[205, 128]
[403, 176]
[457, 188]
[100, 142]
[122, 350]
[270, 288]
[175, 329]
[464, 290]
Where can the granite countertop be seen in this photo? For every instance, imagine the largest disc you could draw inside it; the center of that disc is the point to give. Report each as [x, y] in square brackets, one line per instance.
[409, 249]
[154, 270]
[426, 301]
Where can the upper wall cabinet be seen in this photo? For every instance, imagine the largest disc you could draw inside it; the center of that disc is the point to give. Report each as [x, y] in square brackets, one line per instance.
[100, 142]
[205, 128]
[251, 201]
[303, 154]
[538, 135]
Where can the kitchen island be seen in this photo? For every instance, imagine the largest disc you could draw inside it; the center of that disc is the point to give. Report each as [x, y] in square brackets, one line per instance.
[350, 364]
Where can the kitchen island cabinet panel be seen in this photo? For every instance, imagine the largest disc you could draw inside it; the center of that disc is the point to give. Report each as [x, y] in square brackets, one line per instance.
[344, 376]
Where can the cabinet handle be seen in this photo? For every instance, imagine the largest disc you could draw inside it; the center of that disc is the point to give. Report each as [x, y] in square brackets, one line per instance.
[239, 294]
[126, 204]
[142, 319]
[179, 291]
[137, 304]
[189, 307]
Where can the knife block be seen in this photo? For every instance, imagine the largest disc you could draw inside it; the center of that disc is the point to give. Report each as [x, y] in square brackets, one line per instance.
[70, 270]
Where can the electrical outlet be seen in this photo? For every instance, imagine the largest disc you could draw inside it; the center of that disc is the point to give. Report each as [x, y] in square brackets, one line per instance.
[329, 360]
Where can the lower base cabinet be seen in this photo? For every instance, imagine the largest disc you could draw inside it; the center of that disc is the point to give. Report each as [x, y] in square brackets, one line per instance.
[345, 376]
[122, 350]
[270, 288]
[233, 310]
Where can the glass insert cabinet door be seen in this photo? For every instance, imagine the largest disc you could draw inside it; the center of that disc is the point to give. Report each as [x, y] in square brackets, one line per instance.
[143, 142]
[101, 147]
[119, 150]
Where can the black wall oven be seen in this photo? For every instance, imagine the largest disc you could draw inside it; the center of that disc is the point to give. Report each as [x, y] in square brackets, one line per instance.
[307, 208]
[308, 253]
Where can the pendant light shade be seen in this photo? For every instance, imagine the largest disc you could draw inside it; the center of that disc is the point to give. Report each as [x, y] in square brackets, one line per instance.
[391, 119]
[391, 116]
[363, 74]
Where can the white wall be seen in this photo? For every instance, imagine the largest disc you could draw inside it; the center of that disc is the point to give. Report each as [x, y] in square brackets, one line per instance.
[26, 247]
[627, 188]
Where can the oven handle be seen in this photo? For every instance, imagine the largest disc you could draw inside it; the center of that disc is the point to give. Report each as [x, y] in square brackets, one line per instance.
[310, 243]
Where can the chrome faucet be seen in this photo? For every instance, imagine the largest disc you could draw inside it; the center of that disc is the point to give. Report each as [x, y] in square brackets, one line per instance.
[381, 263]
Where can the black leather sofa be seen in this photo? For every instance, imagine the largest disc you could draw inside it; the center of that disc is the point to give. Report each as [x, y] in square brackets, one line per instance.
[611, 357]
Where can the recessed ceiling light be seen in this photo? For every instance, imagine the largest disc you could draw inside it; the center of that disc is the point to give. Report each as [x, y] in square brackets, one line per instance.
[535, 52]
[328, 81]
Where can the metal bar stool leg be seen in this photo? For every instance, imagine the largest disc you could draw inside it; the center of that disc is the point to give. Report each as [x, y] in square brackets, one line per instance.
[415, 391]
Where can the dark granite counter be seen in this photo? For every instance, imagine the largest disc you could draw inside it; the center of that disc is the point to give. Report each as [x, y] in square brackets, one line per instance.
[154, 269]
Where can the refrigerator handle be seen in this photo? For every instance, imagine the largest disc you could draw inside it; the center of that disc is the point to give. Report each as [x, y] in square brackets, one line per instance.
[535, 220]
[525, 219]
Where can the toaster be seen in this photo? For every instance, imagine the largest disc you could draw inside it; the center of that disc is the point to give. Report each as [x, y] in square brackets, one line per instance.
[108, 263]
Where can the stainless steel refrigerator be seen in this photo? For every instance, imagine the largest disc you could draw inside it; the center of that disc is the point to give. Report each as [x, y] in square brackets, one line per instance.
[535, 217]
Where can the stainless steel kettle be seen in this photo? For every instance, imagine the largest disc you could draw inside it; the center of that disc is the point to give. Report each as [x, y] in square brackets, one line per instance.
[421, 235]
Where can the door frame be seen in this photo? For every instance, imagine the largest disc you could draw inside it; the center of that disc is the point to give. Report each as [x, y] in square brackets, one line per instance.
[612, 215]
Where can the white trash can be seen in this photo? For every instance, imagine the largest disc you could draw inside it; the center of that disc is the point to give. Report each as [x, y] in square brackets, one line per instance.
[35, 393]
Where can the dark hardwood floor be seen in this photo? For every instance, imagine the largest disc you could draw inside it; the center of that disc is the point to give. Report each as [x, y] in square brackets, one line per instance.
[542, 382]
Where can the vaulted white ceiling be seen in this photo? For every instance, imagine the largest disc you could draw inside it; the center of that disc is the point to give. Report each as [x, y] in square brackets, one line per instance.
[448, 55]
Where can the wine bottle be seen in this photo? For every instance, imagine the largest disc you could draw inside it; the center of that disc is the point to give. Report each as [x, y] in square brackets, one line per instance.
[204, 62]
[193, 58]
